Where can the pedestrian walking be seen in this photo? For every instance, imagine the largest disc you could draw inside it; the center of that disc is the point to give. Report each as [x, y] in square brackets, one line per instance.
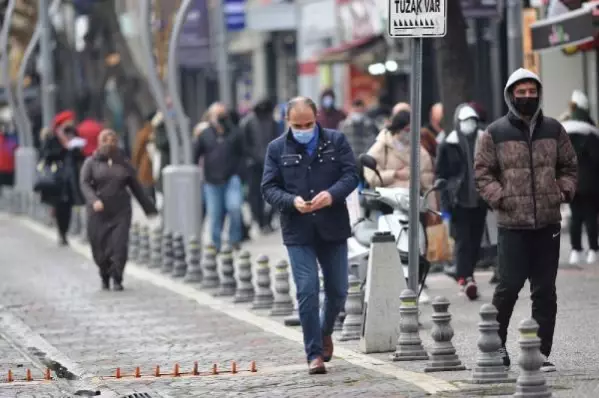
[258, 129]
[359, 128]
[62, 156]
[585, 205]
[220, 147]
[461, 205]
[329, 116]
[308, 173]
[141, 158]
[525, 167]
[106, 179]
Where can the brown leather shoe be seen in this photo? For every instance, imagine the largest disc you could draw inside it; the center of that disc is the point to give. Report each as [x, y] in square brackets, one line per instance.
[327, 348]
[316, 367]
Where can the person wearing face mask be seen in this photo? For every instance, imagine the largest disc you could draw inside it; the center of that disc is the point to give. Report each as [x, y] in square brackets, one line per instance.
[221, 148]
[460, 202]
[329, 116]
[62, 150]
[360, 130]
[525, 168]
[308, 174]
[107, 177]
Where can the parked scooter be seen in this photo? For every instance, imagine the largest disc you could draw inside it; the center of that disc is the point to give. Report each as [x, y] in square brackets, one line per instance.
[398, 199]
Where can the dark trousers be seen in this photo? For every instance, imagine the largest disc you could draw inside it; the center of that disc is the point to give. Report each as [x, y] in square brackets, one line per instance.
[532, 255]
[257, 204]
[468, 226]
[585, 210]
[63, 212]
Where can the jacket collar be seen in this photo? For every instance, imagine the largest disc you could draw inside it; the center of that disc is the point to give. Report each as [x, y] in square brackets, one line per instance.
[517, 121]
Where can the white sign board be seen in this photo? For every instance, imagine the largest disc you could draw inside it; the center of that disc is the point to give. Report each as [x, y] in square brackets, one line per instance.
[417, 18]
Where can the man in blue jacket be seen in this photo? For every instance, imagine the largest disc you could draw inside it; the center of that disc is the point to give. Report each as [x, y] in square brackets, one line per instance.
[308, 173]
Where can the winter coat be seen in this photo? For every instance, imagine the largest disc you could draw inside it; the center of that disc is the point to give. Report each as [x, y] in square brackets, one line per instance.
[389, 159]
[141, 159]
[585, 140]
[222, 153]
[360, 132]
[257, 133]
[524, 170]
[289, 172]
[452, 165]
[8, 145]
[69, 163]
[428, 140]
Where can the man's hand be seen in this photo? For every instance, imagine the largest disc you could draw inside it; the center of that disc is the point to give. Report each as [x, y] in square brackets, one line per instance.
[323, 199]
[98, 206]
[301, 205]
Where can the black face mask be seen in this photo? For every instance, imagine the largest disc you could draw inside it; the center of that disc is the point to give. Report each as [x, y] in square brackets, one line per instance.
[527, 106]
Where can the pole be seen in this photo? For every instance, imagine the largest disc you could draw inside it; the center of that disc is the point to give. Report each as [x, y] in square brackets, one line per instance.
[155, 84]
[47, 72]
[5, 66]
[514, 34]
[173, 80]
[222, 61]
[497, 91]
[414, 217]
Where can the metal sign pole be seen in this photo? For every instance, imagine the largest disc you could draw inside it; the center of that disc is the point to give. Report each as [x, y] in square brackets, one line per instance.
[414, 217]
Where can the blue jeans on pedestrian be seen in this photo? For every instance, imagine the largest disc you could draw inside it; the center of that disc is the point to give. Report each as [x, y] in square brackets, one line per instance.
[333, 263]
[221, 200]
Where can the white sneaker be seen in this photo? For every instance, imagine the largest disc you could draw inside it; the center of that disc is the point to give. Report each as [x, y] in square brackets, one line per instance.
[424, 298]
[591, 257]
[575, 257]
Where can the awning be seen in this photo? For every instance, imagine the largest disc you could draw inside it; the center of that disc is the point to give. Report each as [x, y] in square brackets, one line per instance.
[570, 29]
[374, 45]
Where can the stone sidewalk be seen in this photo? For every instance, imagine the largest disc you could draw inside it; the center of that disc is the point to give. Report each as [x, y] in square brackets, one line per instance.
[55, 315]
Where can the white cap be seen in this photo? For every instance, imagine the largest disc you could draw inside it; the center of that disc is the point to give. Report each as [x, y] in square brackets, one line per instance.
[580, 99]
[467, 112]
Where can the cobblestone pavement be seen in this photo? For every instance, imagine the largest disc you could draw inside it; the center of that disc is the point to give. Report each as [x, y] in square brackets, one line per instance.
[54, 315]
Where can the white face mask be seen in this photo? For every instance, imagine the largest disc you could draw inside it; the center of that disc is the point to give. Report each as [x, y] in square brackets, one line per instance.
[468, 126]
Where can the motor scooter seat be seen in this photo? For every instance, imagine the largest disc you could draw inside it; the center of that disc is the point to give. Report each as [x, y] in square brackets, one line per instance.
[364, 231]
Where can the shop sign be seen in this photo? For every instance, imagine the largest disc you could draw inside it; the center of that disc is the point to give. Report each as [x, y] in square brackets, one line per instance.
[482, 8]
[575, 27]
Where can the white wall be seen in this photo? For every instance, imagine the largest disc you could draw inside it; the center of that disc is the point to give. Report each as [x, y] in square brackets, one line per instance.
[560, 75]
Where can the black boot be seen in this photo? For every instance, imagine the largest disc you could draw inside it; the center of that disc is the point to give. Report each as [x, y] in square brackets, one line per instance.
[117, 286]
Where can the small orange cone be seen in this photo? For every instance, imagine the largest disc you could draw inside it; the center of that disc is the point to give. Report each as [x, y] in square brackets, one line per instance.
[28, 375]
[214, 369]
[195, 371]
[137, 372]
[10, 379]
[117, 374]
[157, 371]
[253, 367]
[176, 371]
[233, 367]
[48, 374]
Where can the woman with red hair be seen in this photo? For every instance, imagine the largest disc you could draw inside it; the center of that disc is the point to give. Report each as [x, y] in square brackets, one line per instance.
[62, 152]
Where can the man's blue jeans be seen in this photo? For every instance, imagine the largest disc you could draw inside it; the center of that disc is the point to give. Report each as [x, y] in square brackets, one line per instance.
[333, 263]
[221, 200]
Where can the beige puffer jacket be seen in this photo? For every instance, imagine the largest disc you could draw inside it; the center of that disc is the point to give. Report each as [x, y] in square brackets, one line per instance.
[390, 159]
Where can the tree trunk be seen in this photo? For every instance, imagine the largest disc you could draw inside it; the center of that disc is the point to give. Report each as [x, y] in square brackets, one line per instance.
[454, 65]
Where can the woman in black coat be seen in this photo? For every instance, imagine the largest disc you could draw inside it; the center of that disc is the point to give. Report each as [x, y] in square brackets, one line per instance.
[106, 178]
[62, 149]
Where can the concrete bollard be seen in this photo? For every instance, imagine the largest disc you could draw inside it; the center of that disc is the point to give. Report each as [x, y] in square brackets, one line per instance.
[83, 236]
[338, 325]
[134, 242]
[293, 319]
[210, 278]
[194, 269]
[443, 353]
[179, 264]
[489, 367]
[167, 252]
[409, 345]
[531, 382]
[143, 256]
[75, 227]
[245, 288]
[263, 299]
[156, 248]
[352, 324]
[321, 293]
[283, 304]
[228, 284]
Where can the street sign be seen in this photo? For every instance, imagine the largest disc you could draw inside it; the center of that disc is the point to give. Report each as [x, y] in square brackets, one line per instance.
[234, 15]
[417, 18]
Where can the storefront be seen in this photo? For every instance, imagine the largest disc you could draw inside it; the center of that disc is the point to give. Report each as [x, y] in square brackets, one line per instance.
[567, 47]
